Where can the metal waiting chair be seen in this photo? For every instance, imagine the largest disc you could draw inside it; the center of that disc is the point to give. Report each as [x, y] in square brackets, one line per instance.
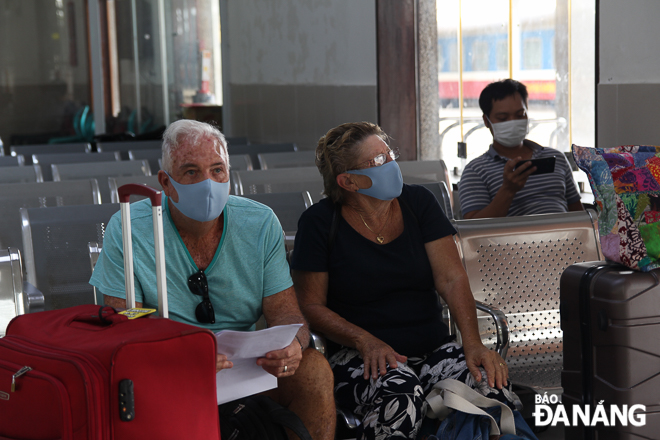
[28, 150]
[55, 250]
[18, 174]
[441, 193]
[288, 159]
[288, 207]
[14, 196]
[11, 161]
[94, 249]
[254, 149]
[237, 161]
[46, 160]
[423, 171]
[309, 179]
[153, 155]
[237, 140]
[125, 146]
[426, 171]
[515, 264]
[240, 162]
[115, 182]
[17, 296]
[456, 202]
[278, 180]
[100, 170]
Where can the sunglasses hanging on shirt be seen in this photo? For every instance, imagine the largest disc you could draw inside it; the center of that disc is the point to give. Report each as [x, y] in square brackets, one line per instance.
[198, 285]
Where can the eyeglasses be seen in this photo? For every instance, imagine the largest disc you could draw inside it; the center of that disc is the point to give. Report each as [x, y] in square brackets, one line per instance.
[377, 161]
[199, 286]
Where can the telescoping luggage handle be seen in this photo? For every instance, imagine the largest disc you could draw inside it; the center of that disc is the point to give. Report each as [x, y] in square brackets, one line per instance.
[125, 192]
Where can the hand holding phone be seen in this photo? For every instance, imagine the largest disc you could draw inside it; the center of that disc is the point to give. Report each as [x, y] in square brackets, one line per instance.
[543, 165]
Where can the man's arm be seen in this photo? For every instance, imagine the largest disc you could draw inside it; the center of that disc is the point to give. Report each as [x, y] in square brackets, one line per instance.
[513, 181]
[118, 303]
[280, 309]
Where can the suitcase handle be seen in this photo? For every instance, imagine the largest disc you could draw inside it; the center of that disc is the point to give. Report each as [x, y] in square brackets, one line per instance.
[106, 317]
[126, 191]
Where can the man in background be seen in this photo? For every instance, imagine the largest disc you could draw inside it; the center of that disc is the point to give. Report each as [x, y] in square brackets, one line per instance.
[500, 183]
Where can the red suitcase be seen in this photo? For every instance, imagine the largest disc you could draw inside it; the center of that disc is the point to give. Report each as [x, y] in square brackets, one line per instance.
[91, 373]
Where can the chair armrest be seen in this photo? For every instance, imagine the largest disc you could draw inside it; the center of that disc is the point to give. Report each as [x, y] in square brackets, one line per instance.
[34, 298]
[349, 419]
[318, 342]
[501, 326]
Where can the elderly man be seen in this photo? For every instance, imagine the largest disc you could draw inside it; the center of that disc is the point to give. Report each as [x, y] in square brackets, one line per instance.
[500, 183]
[231, 246]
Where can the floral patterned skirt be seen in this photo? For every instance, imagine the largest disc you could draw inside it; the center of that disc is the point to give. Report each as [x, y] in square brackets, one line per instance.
[394, 405]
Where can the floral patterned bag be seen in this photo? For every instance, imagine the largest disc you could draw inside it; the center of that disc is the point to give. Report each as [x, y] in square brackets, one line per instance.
[625, 183]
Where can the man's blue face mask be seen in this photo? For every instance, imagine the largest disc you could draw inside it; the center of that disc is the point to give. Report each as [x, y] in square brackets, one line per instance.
[386, 181]
[202, 201]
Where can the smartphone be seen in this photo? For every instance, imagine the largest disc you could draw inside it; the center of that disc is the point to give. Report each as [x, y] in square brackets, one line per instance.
[544, 165]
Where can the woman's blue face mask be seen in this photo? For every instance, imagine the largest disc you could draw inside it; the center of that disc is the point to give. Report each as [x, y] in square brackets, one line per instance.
[202, 201]
[386, 181]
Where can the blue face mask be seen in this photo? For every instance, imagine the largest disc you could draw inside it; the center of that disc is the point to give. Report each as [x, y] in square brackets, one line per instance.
[386, 181]
[201, 201]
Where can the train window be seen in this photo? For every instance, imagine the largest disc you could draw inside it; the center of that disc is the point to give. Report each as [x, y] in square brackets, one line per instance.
[532, 53]
[502, 54]
[452, 58]
[480, 56]
[447, 57]
[549, 45]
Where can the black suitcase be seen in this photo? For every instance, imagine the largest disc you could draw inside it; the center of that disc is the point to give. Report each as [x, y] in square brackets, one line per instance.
[610, 317]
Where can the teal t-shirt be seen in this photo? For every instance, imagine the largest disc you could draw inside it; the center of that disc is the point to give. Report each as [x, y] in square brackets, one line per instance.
[249, 264]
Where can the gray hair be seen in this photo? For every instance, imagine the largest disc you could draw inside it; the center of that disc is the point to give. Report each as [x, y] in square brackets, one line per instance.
[189, 132]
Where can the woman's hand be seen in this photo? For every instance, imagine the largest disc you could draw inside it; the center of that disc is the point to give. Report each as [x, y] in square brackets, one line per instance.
[377, 355]
[496, 368]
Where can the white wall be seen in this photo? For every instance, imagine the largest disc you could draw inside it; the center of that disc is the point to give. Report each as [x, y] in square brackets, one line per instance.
[629, 86]
[327, 42]
[293, 69]
[629, 35]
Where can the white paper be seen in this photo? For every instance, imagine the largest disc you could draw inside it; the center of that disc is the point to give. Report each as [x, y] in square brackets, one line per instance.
[243, 349]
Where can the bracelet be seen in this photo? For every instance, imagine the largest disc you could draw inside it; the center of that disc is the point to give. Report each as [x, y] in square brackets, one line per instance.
[301, 346]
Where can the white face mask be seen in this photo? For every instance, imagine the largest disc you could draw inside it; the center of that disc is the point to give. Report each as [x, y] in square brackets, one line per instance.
[511, 133]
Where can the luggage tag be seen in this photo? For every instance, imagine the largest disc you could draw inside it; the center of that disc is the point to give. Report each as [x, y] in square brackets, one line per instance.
[137, 313]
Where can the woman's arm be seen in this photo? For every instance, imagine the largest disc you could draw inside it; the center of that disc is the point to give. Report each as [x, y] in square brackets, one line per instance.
[312, 291]
[451, 282]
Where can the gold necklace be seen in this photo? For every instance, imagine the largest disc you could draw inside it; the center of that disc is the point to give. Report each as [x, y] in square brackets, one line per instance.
[379, 237]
